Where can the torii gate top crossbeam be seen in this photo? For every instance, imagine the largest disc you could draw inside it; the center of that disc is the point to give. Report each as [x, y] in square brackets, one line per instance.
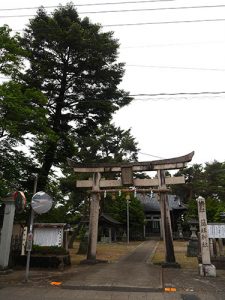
[163, 164]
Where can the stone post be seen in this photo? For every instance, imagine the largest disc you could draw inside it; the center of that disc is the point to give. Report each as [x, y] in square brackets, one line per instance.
[6, 234]
[221, 249]
[205, 268]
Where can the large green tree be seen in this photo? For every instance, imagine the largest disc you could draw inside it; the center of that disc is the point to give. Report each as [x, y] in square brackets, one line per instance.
[74, 64]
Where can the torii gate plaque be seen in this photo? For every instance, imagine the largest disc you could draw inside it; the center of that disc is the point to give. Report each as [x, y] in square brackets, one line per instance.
[141, 186]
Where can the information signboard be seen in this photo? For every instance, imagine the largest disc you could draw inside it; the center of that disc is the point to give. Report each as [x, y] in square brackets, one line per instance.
[216, 231]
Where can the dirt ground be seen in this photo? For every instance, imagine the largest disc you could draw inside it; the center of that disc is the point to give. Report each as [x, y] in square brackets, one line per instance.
[111, 252]
[180, 249]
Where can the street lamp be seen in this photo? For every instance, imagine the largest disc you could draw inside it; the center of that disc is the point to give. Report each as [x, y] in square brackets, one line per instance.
[128, 218]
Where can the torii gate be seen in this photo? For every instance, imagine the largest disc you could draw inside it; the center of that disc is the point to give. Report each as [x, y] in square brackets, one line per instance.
[141, 186]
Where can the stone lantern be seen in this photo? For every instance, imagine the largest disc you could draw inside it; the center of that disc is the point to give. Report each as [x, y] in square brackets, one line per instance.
[193, 247]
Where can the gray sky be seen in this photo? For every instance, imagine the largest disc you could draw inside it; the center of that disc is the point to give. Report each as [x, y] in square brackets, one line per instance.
[163, 58]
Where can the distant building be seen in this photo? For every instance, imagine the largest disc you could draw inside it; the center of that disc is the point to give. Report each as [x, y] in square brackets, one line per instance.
[108, 228]
[151, 205]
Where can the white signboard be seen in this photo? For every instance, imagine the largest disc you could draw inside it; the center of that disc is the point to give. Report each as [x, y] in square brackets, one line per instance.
[216, 231]
[48, 236]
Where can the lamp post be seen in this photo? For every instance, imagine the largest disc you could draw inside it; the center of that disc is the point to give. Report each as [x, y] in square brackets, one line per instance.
[128, 218]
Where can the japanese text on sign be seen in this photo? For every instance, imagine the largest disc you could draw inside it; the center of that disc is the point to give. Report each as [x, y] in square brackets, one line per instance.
[216, 231]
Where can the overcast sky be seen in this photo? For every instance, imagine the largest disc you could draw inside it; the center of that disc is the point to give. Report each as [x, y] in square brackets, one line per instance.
[162, 58]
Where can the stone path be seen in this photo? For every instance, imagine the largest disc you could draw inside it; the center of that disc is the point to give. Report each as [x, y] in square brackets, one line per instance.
[131, 273]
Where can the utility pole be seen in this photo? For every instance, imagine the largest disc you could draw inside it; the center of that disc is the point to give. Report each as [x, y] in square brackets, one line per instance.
[30, 234]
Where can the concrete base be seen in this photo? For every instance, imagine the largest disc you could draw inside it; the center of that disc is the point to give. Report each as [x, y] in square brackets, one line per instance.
[207, 270]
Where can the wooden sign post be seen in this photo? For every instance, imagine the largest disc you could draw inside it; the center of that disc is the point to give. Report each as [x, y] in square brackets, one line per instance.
[127, 183]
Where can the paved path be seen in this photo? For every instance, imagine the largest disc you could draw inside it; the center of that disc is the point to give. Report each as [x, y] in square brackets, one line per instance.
[131, 273]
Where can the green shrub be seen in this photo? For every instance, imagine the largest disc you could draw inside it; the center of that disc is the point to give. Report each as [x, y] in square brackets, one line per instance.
[36, 249]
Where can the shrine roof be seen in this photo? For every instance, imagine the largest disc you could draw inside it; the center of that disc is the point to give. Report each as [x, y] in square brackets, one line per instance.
[109, 219]
[152, 203]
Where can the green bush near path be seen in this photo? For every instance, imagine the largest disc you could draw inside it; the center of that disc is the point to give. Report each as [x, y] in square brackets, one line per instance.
[48, 250]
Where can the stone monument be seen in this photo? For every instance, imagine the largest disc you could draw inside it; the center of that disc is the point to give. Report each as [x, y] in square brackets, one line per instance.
[206, 269]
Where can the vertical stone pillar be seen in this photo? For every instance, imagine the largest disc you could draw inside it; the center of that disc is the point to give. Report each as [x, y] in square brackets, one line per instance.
[93, 220]
[110, 235]
[6, 234]
[170, 260]
[221, 249]
[205, 268]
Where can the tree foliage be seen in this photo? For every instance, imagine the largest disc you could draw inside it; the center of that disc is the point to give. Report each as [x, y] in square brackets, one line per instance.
[16, 170]
[117, 208]
[207, 181]
[21, 113]
[10, 52]
[107, 143]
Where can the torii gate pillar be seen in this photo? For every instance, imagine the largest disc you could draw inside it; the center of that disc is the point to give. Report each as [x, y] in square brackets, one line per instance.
[93, 221]
[170, 260]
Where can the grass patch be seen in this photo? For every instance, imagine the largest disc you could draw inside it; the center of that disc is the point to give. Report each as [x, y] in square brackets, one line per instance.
[180, 249]
[111, 252]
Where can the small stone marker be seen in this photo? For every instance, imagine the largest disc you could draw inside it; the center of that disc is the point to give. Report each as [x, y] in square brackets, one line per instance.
[205, 268]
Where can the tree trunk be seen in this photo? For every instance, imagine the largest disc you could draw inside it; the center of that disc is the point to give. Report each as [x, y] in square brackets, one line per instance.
[73, 236]
[47, 164]
[49, 155]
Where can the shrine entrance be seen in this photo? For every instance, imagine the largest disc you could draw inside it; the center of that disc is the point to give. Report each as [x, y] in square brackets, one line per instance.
[152, 226]
[128, 184]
